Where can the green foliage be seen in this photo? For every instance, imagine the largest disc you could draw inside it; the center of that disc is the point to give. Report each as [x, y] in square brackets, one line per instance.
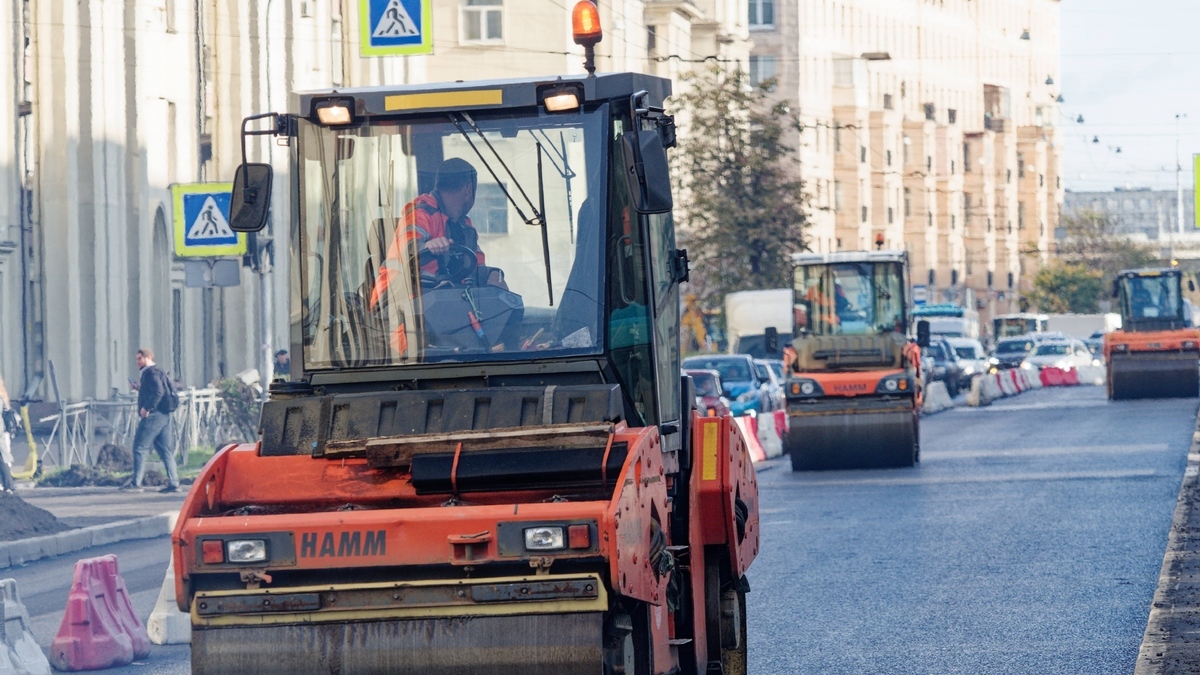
[242, 406]
[740, 203]
[1063, 288]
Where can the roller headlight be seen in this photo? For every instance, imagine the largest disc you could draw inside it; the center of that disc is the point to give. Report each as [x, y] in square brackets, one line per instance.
[246, 551]
[807, 388]
[544, 538]
[890, 385]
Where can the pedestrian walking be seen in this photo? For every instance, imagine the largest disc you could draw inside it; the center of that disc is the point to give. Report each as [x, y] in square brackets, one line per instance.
[10, 421]
[283, 364]
[156, 400]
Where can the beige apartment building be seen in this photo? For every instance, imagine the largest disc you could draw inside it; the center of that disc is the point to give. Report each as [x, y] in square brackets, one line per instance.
[106, 103]
[929, 123]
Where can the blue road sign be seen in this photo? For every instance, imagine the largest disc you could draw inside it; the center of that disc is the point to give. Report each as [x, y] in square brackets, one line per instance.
[202, 221]
[395, 27]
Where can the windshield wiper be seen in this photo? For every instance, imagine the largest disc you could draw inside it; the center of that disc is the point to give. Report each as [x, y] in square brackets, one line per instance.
[539, 218]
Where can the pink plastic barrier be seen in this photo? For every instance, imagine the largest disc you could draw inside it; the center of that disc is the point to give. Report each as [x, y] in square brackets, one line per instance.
[781, 422]
[749, 427]
[1057, 377]
[99, 628]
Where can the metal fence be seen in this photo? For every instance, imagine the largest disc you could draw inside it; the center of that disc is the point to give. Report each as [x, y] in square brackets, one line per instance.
[81, 429]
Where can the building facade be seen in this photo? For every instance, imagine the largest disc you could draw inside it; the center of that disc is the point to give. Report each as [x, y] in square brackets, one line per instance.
[929, 123]
[1152, 213]
[104, 104]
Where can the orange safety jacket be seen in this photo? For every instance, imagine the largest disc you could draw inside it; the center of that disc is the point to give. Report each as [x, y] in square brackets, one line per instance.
[424, 220]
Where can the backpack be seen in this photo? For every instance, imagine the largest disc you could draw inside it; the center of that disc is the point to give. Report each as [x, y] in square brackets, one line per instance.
[12, 420]
[170, 399]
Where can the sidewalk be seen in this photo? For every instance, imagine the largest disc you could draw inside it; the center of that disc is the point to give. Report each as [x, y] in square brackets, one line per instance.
[86, 506]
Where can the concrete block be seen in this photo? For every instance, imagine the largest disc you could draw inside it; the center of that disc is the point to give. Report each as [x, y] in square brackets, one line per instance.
[937, 398]
[168, 625]
[24, 654]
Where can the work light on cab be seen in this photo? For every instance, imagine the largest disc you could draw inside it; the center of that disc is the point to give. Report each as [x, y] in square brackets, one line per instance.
[562, 98]
[334, 112]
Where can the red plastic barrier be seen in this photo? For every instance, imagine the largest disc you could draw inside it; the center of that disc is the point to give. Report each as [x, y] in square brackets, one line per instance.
[1057, 377]
[749, 427]
[120, 606]
[781, 422]
[1051, 377]
[1015, 380]
[92, 634]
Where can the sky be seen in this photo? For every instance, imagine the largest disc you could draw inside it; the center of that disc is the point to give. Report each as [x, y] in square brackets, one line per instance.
[1128, 68]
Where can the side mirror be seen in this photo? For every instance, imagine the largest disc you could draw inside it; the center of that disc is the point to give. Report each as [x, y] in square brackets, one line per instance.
[922, 334]
[251, 198]
[771, 340]
[646, 171]
[1191, 285]
[1116, 287]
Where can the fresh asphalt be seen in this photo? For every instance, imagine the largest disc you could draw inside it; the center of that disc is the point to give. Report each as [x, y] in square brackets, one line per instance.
[1028, 540]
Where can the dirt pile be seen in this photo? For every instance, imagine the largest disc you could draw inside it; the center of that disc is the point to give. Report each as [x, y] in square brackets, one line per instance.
[114, 458]
[89, 476]
[20, 519]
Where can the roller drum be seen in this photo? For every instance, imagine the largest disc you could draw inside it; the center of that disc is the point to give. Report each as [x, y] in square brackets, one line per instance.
[860, 437]
[1154, 375]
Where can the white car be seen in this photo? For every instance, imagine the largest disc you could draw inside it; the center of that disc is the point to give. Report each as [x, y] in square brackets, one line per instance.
[1064, 354]
[971, 355]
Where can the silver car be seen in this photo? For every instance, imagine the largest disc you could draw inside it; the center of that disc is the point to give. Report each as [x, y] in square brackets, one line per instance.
[1066, 354]
[971, 355]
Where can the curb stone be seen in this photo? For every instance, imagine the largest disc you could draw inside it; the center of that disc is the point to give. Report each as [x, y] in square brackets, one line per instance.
[1169, 644]
[15, 553]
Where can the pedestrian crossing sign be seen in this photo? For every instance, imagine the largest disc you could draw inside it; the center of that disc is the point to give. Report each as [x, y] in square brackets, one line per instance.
[395, 27]
[202, 221]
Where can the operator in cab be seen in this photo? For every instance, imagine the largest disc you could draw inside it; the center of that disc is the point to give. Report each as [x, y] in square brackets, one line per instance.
[435, 225]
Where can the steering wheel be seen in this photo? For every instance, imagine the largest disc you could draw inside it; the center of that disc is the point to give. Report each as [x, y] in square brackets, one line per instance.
[456, 264]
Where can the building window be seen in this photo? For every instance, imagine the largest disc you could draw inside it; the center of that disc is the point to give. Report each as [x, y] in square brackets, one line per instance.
[887, 101]
[1020, 215]
[762, 68]
[169, 15]
[762, 13]
[930, 112]
[652, 40]
[966, 210]
[1042, 181]
[932, 277]
[929, 219]
[1010, 279]
[1020, 165]
[864, 214]
[907, 144]
[889, 157]
[837, 195]
[928, 164]
[952, 116]
[966, 156]
[482, 20]
[907, 202]
[837, 138]
[890, 215]
[490, 215]
[862, 154]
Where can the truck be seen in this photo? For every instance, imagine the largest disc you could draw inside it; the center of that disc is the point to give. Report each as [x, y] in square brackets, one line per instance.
[853, 375]
[1016, 325]
[1082, 326]
[949, 320]
[469, 472]
[751, 315]
[1156, 352]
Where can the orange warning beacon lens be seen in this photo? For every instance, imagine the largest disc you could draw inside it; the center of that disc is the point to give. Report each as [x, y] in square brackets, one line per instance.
[585, 23]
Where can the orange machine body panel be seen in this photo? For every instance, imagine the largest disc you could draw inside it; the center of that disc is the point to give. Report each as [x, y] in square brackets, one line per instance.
[1119, 341]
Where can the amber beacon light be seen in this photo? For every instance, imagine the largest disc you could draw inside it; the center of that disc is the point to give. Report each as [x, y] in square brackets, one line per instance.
[585, 29]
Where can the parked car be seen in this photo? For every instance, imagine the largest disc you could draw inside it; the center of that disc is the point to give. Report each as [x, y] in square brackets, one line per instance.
[710, 397]
[739, 379]
[946, 367]
[1010, 352]
[1095, 344]
[774, 384]
[1066, 354]
[971, 356]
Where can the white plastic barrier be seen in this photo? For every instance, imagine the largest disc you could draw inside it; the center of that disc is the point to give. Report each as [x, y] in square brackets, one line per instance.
[768, 436]
[167, 625]
[937, 398]
[1094, 375]
[20, 654]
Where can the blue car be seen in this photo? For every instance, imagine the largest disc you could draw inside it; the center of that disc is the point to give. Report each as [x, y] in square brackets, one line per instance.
[746, 391]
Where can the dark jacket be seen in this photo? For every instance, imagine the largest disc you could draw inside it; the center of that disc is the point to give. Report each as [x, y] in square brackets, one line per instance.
[153, 390]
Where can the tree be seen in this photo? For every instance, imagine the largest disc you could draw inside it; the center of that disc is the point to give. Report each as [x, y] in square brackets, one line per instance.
[1063, 288]
[1092, 240]
[741, 207]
